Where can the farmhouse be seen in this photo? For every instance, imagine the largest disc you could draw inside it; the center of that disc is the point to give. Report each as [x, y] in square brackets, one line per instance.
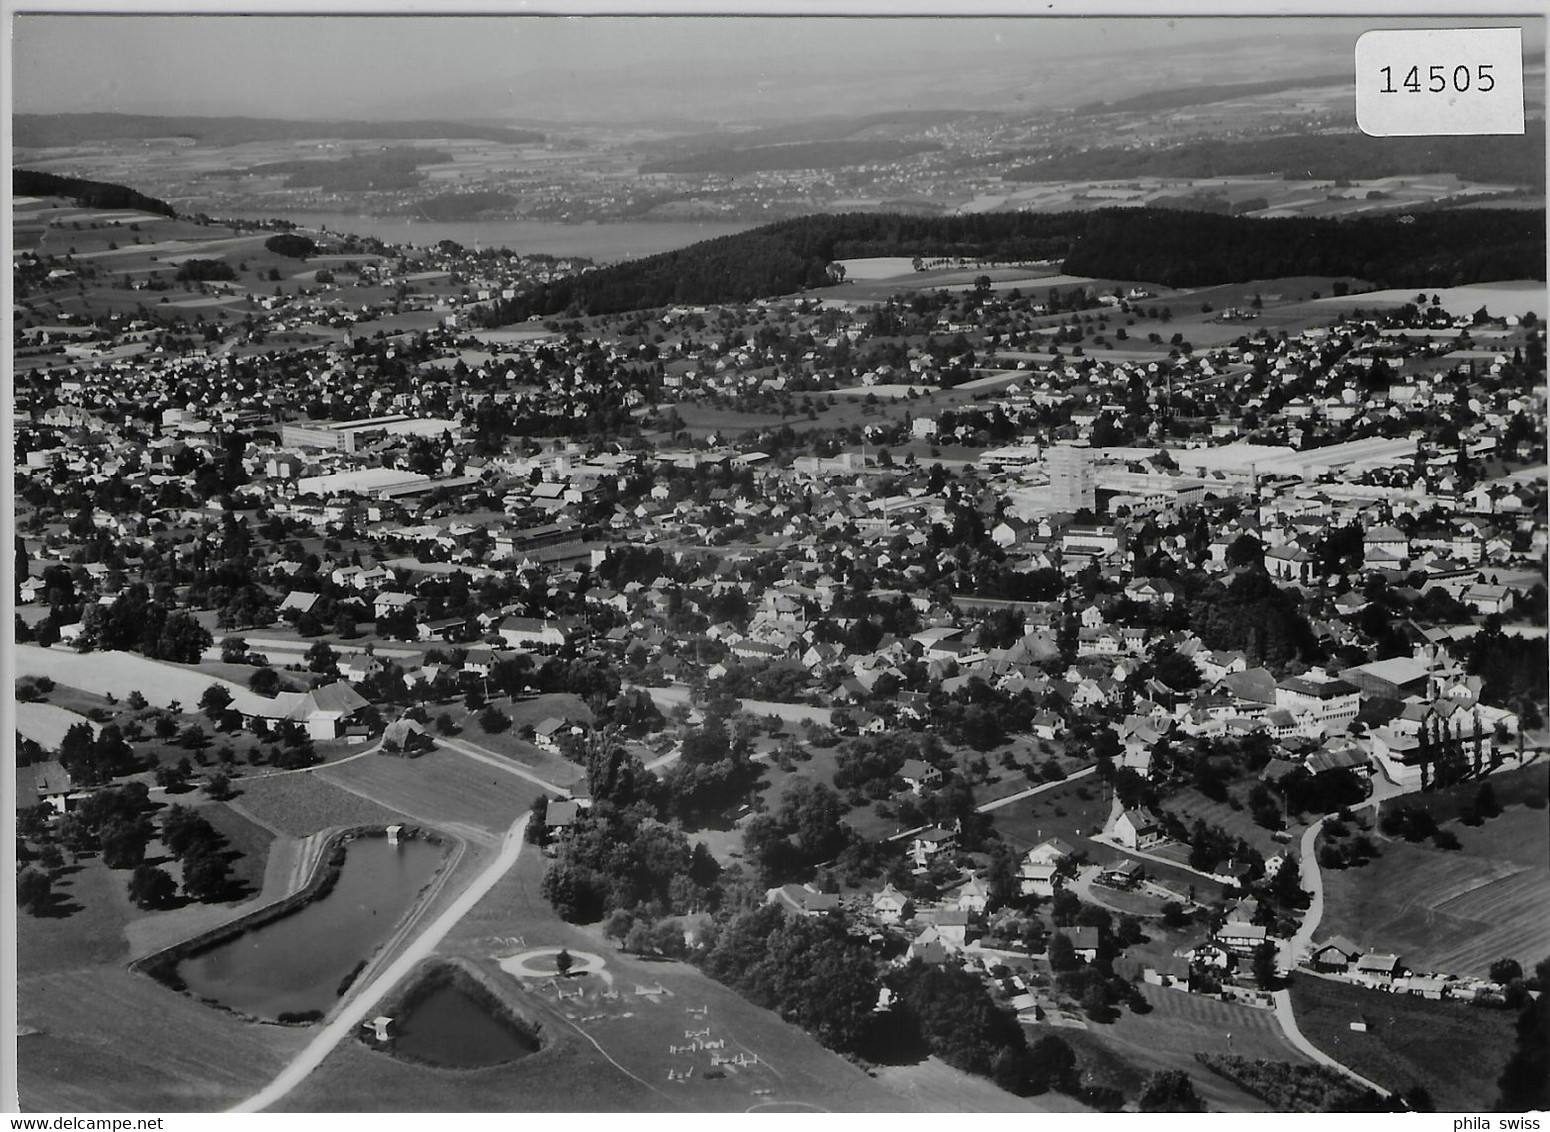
[1377, 968]
[1335, 956]
[1240, 938]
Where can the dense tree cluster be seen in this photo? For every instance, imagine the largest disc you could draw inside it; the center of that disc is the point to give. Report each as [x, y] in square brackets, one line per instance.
[1515, 160]
[191, 839]
[93, 759]
[807, 970]
[1524, 1085]
[87, 194]
[1427, 249]
[804, 830]
[959, 1022]
[1170, 247]
[204, 271]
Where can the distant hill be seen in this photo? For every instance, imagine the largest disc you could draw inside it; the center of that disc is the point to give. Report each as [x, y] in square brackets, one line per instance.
[827, 128]
[1428, 249]
[1505, 158]
[1204, 95]
[43, 130]
[89, 194]
[803, 155]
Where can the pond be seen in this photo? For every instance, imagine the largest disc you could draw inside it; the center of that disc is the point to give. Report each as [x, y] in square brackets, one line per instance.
[451, 1027]
[297, 963]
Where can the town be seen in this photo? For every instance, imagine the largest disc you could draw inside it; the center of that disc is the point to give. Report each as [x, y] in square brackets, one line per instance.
[957, 683]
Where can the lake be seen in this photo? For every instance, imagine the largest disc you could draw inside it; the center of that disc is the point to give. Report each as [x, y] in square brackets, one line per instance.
[296, 963]
[602, 243]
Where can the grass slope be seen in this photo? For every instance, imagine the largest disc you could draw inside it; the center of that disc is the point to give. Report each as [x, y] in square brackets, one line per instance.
[1453, 911]
[1453, 1050]
[439, 786]
[1125, 1052]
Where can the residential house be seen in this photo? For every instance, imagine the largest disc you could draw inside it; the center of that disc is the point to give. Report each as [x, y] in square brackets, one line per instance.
[530, 631]
[891, 906]
[929, 843]
[1241, 938]
[974, 895]
[1122, 873]
[1085, 942]
[920, 775]
[803, 899]
[1136, 829]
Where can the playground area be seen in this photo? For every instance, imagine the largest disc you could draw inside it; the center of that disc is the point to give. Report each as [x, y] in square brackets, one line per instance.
[605, 1010]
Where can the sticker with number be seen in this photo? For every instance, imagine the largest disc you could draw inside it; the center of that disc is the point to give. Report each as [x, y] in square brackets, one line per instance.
[1441, 81]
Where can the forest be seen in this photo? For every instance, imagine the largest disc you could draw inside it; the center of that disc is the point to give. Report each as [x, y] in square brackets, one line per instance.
[44, 130]
[1429, 249]
[1513, 159]
[805, 155]
[87, 194]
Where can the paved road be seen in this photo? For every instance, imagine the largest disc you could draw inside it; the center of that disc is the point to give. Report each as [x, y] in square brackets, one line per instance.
[236, 778]
[1301, 943]
[355, 1011]
[1288, 1021]
[1032, 790]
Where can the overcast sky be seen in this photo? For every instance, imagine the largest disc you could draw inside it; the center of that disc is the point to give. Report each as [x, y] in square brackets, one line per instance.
[399, 66]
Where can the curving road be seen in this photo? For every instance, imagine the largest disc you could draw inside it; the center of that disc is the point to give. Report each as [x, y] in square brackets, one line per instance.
[1291, 950]
[349, 1018]
[1288, 1021]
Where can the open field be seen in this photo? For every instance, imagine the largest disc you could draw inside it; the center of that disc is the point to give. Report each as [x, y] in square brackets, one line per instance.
[299, 804]
[1123, 1053]
[440, 786]
[88, 927]
[121, 673]
[109, 1040]
[1451, 911]
[937, 1087]
[1453, 1050]
[1515, 297]
[46, 724]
